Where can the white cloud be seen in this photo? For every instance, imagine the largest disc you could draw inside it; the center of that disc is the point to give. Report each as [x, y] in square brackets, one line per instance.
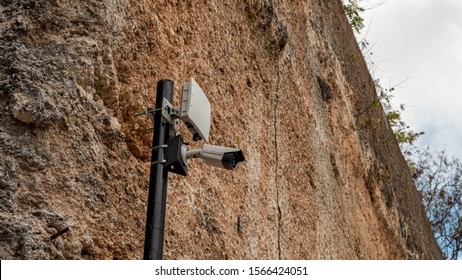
[422, 39]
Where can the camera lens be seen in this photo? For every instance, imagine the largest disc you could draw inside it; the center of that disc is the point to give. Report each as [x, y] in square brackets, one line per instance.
[229, 161]
[233, 161]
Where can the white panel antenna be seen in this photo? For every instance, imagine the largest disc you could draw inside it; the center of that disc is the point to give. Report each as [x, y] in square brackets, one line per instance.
[195, 110]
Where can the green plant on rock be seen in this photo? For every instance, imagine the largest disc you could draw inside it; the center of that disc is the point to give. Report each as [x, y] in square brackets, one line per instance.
[403, 132]
[352, 11]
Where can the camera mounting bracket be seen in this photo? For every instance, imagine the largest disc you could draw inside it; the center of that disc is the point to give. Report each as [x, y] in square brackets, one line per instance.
[170, 114]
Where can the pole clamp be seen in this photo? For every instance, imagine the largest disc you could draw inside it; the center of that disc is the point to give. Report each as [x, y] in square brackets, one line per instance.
[158, 161]
[159, 147]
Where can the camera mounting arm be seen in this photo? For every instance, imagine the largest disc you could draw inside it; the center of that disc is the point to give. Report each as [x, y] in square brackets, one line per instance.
[193, 153]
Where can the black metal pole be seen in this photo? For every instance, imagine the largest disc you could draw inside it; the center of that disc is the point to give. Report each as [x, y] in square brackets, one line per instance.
[158, 179]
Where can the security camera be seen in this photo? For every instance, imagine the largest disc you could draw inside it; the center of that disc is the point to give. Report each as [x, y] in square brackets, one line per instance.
[218, 156]
[177, 156]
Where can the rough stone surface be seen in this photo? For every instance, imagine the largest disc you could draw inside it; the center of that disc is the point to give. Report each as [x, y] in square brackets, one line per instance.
[286, 82]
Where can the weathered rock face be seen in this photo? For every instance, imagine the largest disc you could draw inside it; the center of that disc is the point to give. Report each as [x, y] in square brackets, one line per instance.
[287, 84]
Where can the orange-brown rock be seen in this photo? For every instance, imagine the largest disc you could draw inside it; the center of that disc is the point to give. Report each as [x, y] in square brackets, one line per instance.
[287, 83]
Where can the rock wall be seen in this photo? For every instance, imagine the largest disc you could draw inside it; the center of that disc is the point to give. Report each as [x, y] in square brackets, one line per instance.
[287, 84]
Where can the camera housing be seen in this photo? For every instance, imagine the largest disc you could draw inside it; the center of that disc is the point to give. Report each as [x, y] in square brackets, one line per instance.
[218, 156]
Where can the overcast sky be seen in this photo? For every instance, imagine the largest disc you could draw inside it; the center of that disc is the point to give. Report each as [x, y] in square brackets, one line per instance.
[420, 42]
